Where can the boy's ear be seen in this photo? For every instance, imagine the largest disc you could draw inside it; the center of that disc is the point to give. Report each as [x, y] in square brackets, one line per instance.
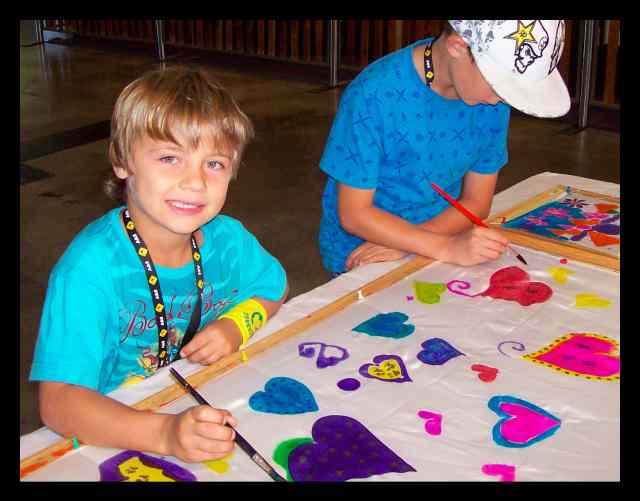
[456, 46]
[120, 172]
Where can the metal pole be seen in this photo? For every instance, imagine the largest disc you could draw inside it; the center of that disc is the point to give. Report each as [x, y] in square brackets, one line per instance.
[159, 29]
[585, 73]
[334, 52]
[38, 31]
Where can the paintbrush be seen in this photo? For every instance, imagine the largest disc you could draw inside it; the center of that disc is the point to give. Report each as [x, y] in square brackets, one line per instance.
[469, 215]
[240, 440]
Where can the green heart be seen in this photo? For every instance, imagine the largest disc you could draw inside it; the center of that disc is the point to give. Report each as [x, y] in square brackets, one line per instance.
[427, 292]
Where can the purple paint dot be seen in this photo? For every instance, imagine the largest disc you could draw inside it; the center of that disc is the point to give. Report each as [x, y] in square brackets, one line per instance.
[349, 384]
[409, 298]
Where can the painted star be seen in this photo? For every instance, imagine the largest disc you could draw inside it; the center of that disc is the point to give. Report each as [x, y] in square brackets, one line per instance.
[522, 34]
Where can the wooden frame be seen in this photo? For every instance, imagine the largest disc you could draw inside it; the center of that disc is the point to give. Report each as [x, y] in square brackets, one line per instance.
[538, 242]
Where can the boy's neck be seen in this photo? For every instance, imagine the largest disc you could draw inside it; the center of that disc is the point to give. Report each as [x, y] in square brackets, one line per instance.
[442, 84]
[171, 250]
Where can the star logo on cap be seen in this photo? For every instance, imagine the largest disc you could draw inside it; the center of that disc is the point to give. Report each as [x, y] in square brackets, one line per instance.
[522, 34]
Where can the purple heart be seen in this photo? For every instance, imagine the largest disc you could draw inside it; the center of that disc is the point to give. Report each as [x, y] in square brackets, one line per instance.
[437, 351]
[343, 449]
[306, 350]
[386, 370]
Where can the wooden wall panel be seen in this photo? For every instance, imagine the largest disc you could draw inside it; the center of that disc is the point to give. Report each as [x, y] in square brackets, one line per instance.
[304, 40]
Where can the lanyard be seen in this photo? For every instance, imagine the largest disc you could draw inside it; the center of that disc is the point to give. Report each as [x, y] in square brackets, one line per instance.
[428, 63]
[156, 295]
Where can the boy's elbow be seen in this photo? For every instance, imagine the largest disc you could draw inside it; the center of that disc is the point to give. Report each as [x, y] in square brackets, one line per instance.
[285, 295]
[349, 221]
[51, 405]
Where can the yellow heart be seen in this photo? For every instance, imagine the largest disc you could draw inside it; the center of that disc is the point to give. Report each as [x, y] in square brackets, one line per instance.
[219, 465]
[591, 301]
[560, 274]
[389, 369]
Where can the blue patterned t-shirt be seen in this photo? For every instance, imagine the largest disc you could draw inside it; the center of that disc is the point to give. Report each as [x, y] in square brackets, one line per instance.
[392, 133]
[98, 327]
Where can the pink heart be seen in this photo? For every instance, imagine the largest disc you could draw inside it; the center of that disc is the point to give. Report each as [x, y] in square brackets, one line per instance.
[506, 472]
[583, 354]
[522, 423]
[527, 424]
[433, 423]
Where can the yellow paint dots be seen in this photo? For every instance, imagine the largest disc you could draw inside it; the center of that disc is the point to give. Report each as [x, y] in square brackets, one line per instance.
[591, 301]
[219, 465]
[560, 274]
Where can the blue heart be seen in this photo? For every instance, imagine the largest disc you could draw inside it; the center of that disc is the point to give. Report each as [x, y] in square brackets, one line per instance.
[437, 351]
[387, 325]
[283, 395]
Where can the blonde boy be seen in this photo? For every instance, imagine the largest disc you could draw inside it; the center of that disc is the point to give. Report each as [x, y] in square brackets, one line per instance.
[164, 275]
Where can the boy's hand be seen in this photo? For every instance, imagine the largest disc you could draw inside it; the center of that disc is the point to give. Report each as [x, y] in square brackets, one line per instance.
[475, 246]
[372, 253]
[199, 434]
[216, 340]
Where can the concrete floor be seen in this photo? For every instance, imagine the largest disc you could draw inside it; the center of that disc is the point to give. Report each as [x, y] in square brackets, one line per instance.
[64, 89]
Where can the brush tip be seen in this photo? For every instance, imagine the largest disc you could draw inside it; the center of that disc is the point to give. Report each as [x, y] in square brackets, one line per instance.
[521, 259]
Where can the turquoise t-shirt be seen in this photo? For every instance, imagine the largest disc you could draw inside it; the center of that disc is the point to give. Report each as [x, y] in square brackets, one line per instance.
[392, 133]
[98, 326]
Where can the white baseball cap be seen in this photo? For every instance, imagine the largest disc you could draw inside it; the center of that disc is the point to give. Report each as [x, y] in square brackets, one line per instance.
[518, 58]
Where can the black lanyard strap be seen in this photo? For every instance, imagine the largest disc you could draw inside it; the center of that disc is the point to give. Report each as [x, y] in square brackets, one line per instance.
[156, 295]
[428, 63]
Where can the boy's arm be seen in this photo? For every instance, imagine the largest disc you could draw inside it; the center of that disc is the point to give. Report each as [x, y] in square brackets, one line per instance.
[476, 195]
[358, 216]
[196, 434]
[222, 337]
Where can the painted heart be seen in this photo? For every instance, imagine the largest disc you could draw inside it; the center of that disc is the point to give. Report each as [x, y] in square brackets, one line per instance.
[389, 368]
[283, 450]
[587, 355]
[283, 395]
[307, 350]
[437, 351]
[591, 301]
[387, 325]
[427, 292]
[601, 239]
[485, 373]
[343, 448]
[513, 284]
[135, 466]
[506, 472]
[522, 424]
[560, 274]
[606, 207]
[433, 423]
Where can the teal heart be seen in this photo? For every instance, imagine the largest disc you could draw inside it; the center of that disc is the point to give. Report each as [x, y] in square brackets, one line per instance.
[283, 395]
[387, 325]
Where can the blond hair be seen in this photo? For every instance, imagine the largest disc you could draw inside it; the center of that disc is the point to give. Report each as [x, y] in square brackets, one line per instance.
[175, 102]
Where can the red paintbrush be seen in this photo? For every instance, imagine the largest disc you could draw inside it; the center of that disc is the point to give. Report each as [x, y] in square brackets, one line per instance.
[470, 215]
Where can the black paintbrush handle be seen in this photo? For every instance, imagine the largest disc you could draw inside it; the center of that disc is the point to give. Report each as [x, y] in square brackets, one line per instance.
[240, 440]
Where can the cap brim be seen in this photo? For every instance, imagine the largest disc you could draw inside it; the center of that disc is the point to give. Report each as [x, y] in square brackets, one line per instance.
[547, 98]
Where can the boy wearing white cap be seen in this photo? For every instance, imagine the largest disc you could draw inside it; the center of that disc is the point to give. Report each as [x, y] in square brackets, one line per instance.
[435, 111]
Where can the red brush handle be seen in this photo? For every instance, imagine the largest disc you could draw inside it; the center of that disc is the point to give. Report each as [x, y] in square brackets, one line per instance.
[470, 215]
